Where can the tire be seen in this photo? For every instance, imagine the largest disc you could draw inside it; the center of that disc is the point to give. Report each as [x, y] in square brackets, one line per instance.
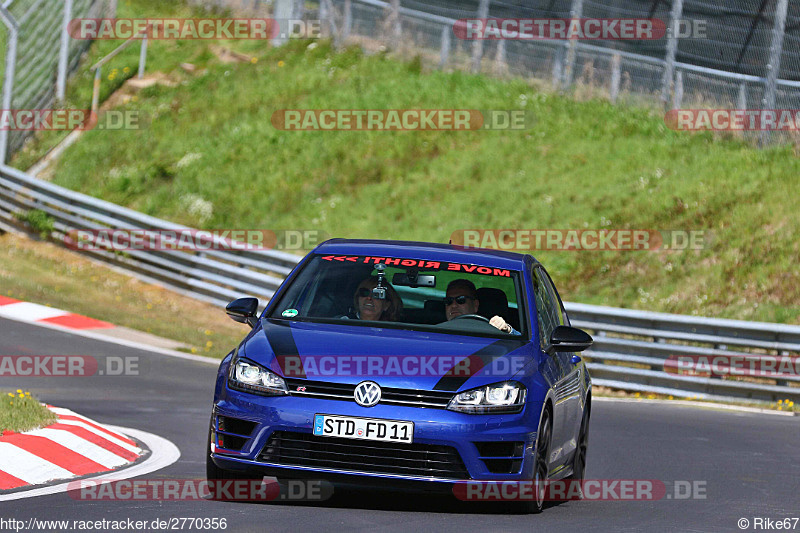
[541, 469]
[579, 461]
[213, 472]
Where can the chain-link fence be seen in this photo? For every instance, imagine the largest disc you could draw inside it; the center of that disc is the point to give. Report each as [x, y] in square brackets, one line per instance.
[741, 54]
[38, 54]
[734, 55]
[237, 6]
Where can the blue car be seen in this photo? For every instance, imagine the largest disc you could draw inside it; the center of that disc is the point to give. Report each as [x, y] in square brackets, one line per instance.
[405, 364]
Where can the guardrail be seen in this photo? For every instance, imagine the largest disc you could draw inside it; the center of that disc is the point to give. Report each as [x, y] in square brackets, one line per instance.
[638, 351]
[213, 275]
[631, 349]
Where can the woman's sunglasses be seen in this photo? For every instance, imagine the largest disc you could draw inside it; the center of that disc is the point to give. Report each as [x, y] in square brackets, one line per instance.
[460, 300]
[364, 292]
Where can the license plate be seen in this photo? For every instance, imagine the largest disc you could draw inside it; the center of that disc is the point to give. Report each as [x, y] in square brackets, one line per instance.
[351, 427]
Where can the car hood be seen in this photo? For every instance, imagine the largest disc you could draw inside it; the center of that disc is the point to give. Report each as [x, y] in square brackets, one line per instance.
[339, 353]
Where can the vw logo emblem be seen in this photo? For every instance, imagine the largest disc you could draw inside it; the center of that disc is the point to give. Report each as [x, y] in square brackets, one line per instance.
[367, 393]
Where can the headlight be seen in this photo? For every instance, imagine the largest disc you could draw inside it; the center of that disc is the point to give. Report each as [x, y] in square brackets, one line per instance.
[506, 397]
[250, 377]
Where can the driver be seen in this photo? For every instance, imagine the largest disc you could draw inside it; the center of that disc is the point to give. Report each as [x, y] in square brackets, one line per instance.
[462, 299]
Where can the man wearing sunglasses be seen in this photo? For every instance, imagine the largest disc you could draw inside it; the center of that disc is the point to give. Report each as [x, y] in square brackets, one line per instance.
[462, 299]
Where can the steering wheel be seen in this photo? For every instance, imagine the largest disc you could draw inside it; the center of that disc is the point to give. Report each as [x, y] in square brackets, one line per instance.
[479, 317]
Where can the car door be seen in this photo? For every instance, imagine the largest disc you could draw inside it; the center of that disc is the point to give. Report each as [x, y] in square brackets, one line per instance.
[569, 391]
[552, 368]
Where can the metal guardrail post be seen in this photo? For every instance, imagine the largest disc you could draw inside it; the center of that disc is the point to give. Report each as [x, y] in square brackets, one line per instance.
[558, 67]
[672, 49]
[347, 24]
[393, 24]
[477, 45]
[774, 65]
[143, 57]
[616, 76]
[741, 98]
[98, 67]
[444, 54]
[575, 13]
[283, 12]
[677, 97]
[63, 56]
[500, 62]
[327, 13]
[8, 81]
[98, 76]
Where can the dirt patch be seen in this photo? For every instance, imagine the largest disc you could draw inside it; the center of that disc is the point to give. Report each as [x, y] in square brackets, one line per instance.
[133, 86]
[226, 55]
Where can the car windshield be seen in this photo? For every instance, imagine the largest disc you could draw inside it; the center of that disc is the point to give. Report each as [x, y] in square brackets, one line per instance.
[406, 293]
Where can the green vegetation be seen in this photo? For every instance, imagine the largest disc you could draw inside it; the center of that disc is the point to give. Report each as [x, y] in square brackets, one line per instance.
[210, 157]
[46, 274]
[39, 221]
[162, 56]
[19, 411]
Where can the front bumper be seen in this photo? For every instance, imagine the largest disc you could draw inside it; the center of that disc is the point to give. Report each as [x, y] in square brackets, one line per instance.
[432, 427]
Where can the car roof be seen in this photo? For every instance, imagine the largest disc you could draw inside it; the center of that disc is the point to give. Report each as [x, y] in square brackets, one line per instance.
[423, 250]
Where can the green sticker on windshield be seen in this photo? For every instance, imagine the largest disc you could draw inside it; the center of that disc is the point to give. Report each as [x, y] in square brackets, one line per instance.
[289, 313]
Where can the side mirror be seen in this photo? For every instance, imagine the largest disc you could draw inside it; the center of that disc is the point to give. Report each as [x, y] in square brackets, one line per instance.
[568, 339]
[244, 310]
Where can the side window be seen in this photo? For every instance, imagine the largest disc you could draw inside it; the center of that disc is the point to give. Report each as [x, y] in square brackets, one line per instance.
[547, 309]
[563, 320]
[563, 357]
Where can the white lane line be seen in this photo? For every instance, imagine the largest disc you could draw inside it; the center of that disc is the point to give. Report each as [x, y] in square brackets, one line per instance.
[28, 467]
[28, 311]
[121, 342]
[63, 411]
[81, 446]
[103, 434]
[689, 403]
[164, 453]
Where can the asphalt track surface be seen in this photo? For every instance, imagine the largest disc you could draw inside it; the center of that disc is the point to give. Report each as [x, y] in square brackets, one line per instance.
[746, 463]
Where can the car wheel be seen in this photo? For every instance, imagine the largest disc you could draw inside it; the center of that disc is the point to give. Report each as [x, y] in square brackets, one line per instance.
[213, 472]
[541, 469]
[579, 461]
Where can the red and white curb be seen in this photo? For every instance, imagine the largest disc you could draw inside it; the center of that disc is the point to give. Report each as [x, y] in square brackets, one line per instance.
[30, 312]
[73, 446]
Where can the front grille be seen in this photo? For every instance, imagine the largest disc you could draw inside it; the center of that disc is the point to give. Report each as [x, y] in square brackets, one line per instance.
[341, 391]
[415, 459]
